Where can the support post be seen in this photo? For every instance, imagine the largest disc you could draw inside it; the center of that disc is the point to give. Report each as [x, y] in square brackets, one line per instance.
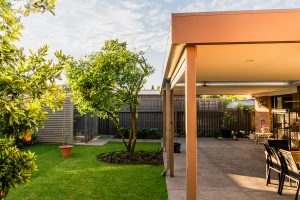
[298, 94]
[164, 120]
[191, 123]
[86, 128]
[168, 127]
[270, 114]
[71, 122]
[298, 97]
[171, 134]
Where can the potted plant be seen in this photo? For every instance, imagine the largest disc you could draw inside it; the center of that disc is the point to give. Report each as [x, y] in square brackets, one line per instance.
[228, 119]
[177, 145]
[252, 135]
[234, 135]
[65, 149]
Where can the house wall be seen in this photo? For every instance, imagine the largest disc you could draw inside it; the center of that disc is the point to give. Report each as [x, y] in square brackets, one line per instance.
[263, 108]
[263, 112]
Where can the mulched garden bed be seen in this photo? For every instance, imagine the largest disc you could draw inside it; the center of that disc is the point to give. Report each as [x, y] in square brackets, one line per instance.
[140, 157]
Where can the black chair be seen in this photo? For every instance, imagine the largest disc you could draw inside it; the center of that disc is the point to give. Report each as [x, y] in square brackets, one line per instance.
[290, 170]
[279, 144]
[272, 163]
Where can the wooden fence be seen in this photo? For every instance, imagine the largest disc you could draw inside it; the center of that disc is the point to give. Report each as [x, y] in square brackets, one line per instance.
[210, 113]
[69, 121]
[208, 122]
[85, 125]
[58, 128]
[148, 120]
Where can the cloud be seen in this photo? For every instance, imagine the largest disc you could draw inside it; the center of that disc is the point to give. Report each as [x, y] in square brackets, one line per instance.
[81, 27]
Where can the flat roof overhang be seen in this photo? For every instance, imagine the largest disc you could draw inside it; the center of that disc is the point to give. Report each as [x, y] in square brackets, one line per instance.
[242, 46]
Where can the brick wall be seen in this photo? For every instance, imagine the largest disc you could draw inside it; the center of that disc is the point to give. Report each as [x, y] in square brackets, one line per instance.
[263, 114]
[261, 119]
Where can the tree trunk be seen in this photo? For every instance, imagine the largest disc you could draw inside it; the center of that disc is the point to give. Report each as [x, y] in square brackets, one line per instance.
[117, 124]
[130, 145]
[4, 190]
[132, 137]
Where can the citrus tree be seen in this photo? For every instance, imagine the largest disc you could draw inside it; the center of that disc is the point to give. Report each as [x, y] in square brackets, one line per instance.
[16, 166]
[107, 81]
[27, 86]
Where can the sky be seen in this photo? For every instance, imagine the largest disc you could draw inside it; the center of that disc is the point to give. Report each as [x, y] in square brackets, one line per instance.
[80, 27]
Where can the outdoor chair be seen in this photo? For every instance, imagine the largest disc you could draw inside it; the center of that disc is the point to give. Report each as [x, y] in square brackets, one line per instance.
[272, 163]
[290, 170]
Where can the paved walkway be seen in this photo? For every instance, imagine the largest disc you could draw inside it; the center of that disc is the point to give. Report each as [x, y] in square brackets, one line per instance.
[101, 142]
[227, 169]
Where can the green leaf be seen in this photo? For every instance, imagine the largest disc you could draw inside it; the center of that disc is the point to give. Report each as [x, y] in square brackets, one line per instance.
[26, 13]
[52, 12]
[11, 120]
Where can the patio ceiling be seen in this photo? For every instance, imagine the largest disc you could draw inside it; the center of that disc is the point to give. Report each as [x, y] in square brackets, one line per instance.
[270, 62]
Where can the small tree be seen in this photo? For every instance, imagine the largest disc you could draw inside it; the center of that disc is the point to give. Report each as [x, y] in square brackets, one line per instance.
[27, 86]
[106, 81]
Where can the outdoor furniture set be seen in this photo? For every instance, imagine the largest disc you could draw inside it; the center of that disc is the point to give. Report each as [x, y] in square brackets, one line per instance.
[284, 162]
[262, 138]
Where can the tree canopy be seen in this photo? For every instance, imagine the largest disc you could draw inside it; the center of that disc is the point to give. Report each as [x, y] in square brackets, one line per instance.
[107, 81]
[27, 82]
[229, 98]
[27, 86]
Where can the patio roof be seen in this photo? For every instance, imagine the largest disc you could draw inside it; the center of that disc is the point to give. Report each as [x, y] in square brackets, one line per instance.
[240, 46]
[240, 52]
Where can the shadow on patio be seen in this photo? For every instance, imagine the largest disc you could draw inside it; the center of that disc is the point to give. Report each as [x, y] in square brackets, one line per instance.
[227, 169]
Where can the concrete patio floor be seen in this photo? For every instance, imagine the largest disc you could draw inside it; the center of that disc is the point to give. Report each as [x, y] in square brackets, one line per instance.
[227, 169]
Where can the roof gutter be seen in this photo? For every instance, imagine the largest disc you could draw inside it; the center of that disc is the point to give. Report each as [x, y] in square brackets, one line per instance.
[238, 84]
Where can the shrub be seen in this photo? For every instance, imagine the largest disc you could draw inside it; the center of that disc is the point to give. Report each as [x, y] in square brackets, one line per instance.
[228, 119]
[153, 134]
[16, 166]
[249, 108]
[142, 133]
[124, 131]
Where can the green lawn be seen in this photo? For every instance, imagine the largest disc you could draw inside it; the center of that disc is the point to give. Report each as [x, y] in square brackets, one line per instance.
[84, 177]
[103, 136]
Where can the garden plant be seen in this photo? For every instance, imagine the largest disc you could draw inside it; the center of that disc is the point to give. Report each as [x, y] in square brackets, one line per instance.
[27, 86]
[104, 82]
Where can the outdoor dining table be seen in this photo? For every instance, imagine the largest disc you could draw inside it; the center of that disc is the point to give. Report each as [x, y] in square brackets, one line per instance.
[263, 136]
